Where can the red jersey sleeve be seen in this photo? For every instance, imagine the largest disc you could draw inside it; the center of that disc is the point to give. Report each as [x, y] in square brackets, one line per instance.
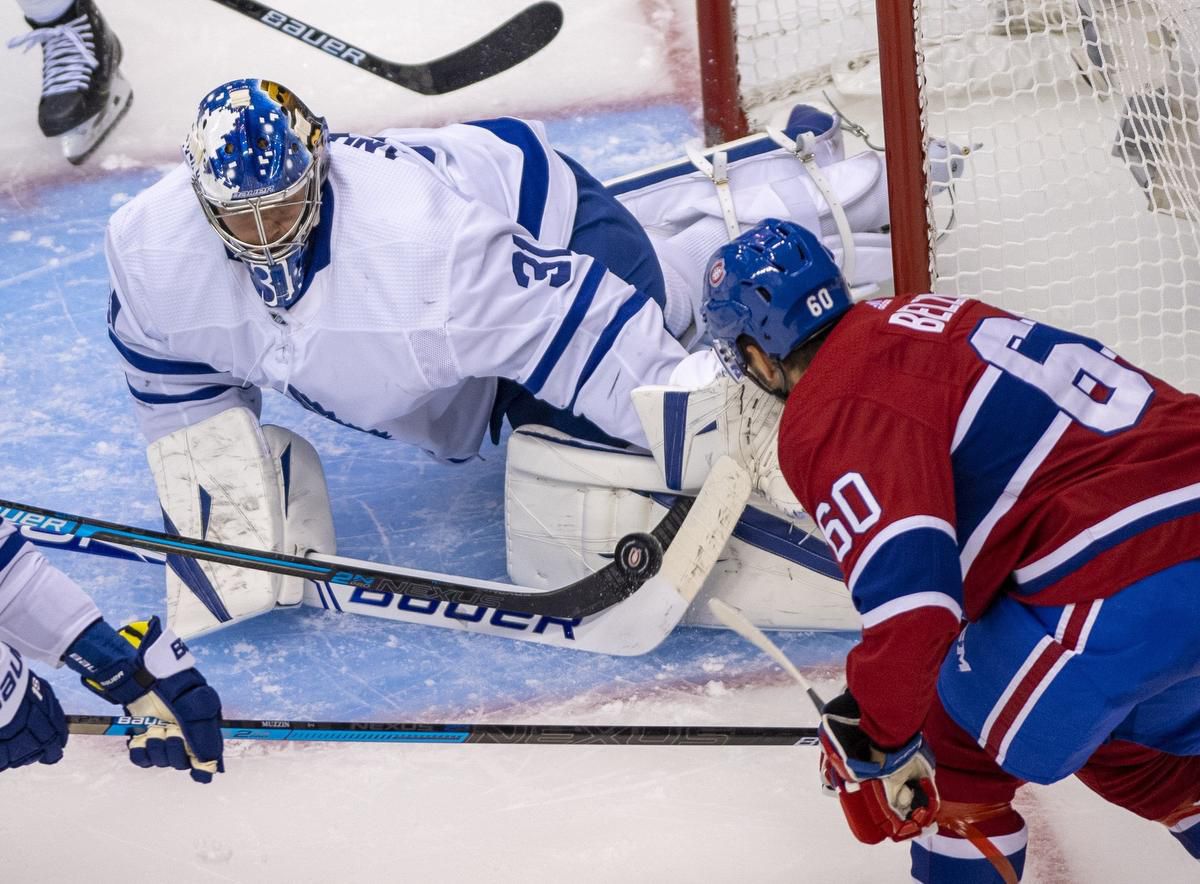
[876, 477]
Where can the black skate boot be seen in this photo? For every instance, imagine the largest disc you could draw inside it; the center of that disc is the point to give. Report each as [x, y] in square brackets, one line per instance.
[83, 92]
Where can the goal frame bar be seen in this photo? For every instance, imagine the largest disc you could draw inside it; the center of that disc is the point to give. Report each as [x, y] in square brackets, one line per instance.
[911, 219]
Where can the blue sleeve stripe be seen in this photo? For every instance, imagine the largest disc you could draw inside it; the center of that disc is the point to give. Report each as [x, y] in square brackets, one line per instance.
[535, 175]
[924, 558]
[197, 395]
[155, 365]
[632, 306]
[10, 548]
[568, 327]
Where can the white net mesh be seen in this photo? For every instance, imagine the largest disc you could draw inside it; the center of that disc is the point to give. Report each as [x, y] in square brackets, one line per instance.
[1080, 203]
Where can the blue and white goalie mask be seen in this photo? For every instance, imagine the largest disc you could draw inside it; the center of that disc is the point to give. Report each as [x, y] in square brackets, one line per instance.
[259, 158]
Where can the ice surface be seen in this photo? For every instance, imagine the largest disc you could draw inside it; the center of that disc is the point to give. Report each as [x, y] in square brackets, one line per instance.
[613, 99]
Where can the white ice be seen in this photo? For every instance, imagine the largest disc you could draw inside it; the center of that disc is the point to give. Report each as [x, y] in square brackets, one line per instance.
[334, 813]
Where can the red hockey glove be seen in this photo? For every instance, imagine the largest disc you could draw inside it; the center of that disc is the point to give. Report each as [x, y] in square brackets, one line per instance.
[884, 793]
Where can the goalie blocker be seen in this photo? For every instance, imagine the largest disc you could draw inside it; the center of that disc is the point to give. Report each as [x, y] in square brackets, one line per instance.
[229, 480]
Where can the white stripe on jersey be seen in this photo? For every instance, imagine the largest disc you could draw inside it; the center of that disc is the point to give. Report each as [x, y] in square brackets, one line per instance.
[910, 602]
[1100, 530]
[974, 402]
[1008, 498]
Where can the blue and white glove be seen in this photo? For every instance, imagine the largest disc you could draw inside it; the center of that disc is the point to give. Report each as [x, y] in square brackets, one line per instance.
[150, 672]
[32, 724]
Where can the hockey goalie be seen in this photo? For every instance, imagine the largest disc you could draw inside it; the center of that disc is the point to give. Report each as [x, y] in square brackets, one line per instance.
[426, 286]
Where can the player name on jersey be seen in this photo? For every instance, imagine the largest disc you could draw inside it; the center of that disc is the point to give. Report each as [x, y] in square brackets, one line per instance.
[928, 313]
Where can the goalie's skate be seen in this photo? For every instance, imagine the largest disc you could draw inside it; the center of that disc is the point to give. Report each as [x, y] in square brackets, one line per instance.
[83, 92]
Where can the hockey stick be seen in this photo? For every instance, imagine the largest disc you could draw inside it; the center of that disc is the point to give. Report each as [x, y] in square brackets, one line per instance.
[403, 732]
[739, 623]
[514, 41]
[637, 557]
[635, 626]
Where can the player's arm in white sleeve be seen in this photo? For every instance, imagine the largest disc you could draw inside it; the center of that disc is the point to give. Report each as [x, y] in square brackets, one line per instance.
[41, 609]
[144, 668]
[557, 322]
[169, 392]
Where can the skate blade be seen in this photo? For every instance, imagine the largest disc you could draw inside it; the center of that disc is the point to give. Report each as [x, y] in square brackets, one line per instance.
[79, 143]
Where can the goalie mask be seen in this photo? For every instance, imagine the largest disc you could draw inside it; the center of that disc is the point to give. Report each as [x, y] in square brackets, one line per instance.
[776, 285]
[258, 158]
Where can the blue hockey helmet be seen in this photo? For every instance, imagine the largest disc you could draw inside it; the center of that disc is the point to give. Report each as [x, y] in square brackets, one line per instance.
[259, 158]
[775, 284]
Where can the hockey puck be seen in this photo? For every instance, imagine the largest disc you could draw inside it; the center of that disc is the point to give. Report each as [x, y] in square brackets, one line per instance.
[639, 555]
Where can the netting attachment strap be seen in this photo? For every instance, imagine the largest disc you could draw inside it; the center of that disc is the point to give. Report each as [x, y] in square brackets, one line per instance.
[803, 149]
[717, 171]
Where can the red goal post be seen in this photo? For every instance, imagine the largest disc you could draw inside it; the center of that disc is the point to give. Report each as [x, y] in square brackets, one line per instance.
[1080, 198]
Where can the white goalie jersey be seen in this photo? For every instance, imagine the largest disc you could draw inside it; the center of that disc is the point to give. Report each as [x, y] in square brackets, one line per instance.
[435, 271]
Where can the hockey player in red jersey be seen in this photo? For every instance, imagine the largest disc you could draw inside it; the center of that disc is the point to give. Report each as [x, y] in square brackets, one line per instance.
[1016, 512]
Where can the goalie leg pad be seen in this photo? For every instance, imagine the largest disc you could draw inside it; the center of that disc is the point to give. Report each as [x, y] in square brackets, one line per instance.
[563, 513]
[307, 515]
[219, 480]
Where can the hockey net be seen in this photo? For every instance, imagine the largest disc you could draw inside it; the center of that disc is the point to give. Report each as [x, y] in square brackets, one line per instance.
[1080, 200]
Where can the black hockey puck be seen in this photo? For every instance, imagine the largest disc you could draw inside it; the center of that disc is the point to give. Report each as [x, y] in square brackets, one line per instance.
[639, 555]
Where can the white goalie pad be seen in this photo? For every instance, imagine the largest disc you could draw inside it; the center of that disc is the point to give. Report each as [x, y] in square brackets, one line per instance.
[307, 514]
[772, 185]
[226, 479]
[568, 502]
[691, 207]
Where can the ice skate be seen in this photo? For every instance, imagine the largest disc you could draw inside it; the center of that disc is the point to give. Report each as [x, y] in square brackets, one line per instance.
[83, 92]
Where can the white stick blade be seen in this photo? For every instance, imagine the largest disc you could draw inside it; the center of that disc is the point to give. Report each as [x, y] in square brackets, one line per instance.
[702, 537]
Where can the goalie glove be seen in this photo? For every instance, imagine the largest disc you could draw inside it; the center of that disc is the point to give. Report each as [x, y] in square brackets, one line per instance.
[150, 672]
[884, 793]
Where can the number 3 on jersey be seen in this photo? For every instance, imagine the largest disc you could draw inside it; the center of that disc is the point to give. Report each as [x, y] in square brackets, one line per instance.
[856, 508]
[1085, 382]
[530, 262]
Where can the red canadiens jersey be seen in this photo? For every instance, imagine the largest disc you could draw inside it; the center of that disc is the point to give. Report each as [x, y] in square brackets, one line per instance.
[951, 452]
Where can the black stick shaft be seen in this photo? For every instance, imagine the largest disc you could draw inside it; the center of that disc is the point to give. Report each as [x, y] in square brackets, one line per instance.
[544, 734]
[527, 32]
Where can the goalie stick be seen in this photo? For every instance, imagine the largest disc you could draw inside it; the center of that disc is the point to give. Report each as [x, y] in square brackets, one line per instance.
[527, 32]
[635, 621]
[403, 732]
